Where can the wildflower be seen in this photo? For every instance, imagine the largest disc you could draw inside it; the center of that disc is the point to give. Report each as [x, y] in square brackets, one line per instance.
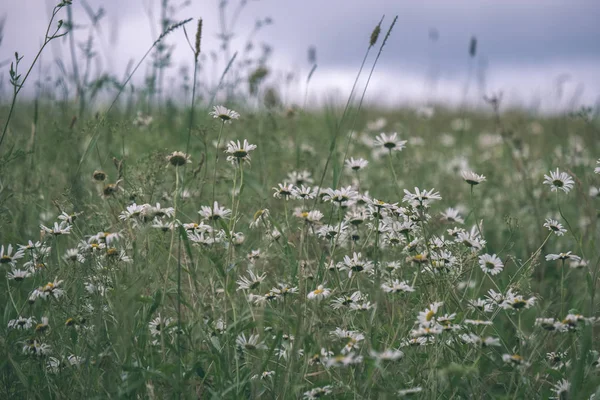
[252, 282]
[480, 341]
[561, 389]
[346, 300]
[284, 191]
[75, 360]
[311, 217]
[395, 286]
[340, 195]
[472, 178]
[304, 192]
[239, 152]
[557, 360]
[597, 169]
[515, 360]
[51, 289]
[284, 289]
[481, 305]
[559, 180]
[36, 348]
[562, 256]
[159, 324]
[215, 213]
[517, 302]
[555, 226]
[261, 216]
[356, 217]
[452, 215]
[390, 142]
[69, 218]
[157, 211]
[264, 375]
[387, 355]
[578, 264]
[319, 293]
[112, 188]
[42, 326]
[58, 229]
[251, 343]
[224, 114]
[364, 306]
[73, 255]
[421, 196]
[343, 360]
[300, 178]
[471, 239]
[426, 331]
[355, 264]
[548, 324]
[427, 317]
[490, 264]
[164, 225]
[356, 165]
[105, 238]
[18, 275]
[317, 393]
[21, 323]
[477, 322]
[331, 231]
[410, 391]
[253, 256]
[99, 175]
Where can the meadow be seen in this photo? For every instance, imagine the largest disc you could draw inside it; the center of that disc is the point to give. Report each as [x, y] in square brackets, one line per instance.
[229, 250]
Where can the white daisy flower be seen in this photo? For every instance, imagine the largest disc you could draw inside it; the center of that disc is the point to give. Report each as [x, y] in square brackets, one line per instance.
[396, 286]
[304, 192]
[561, 389]
[299, 178]
[224, 114]
[421, 196]
[340, 195]
[251, 282]
[160, 324]
[472, 178]
[387, 355]
[21, 323]
[319, 293]
[36, 348]
[452, 215]
[562, 256]
[491, 264]
[390, 142]
[18, 275]
[515, 360]
[317, 393]
[559, 181]
[554, 226]
[356, 164]
[214, 213]
[409, 391]
[251, 343]
[178, 158]
[355, 264]
[58, 229]
[284, 191]
[239, 152]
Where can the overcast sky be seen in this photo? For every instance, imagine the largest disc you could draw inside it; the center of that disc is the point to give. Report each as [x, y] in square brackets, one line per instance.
[526, 46]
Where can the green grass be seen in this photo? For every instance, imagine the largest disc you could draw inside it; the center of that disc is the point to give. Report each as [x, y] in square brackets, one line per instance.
[194, 285]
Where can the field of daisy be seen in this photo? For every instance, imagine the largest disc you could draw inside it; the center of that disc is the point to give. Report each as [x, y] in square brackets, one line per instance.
[234, 251]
